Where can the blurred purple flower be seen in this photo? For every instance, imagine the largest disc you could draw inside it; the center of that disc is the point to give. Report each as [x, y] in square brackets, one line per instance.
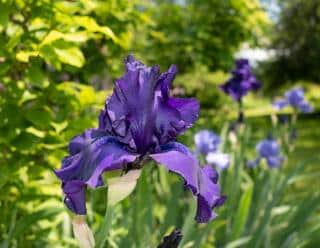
[294, 98]
[269, 150]
[140, 122]
[241, 82]
[207, 143]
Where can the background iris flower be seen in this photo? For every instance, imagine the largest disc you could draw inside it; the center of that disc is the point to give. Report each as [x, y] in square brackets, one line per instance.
[242, 81]
[269, 150]
[294, 98]
[207, 144]
[140, 122]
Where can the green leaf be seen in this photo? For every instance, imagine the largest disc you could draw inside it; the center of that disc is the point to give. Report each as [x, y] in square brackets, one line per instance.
[4, 13]
[71, 55]
[25, 141]
[242, 213]
[24, 56]
[91, 25]
[71, 37]
[36, 76]
[189, 224]
[26, 222]
[40, 117]
[102, 235]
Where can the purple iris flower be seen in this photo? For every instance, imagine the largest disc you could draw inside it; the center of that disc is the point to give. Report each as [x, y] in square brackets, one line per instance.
[207, 144]
[140, 122]
[242, 81]
[269, 150]
[206, 141]
[294, 98]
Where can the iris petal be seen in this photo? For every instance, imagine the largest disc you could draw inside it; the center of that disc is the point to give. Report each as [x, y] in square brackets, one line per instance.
[201, 181]
[221, 160]
[95, 155]
[269, 149]
[141, 112]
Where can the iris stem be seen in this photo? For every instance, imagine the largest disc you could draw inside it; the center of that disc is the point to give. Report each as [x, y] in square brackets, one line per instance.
[240, 112]
[103, 232]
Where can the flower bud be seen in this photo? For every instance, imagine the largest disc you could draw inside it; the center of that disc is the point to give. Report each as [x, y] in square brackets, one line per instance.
[82, 232]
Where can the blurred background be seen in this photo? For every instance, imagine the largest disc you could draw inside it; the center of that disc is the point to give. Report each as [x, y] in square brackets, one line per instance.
[58, 62]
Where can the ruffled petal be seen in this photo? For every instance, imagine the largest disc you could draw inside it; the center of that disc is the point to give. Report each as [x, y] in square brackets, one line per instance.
[201, 181]
[95, 154]
[141, 112]
[174, 115]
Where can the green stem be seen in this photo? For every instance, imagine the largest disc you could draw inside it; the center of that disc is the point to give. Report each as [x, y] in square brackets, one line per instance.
[103, 232]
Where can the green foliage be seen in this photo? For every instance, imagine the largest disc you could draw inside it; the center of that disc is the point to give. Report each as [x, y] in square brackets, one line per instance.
[45, 47]
[203, 32]
[296, 38]
[57, 63]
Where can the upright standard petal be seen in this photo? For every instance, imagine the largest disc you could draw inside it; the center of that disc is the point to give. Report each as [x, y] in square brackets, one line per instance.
[201, 181]
[141, 112]
[91, 154]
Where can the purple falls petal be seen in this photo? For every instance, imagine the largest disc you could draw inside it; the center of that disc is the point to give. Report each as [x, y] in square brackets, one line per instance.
[201, 181]
[91, 154]
[74, 196]
[209, 195]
